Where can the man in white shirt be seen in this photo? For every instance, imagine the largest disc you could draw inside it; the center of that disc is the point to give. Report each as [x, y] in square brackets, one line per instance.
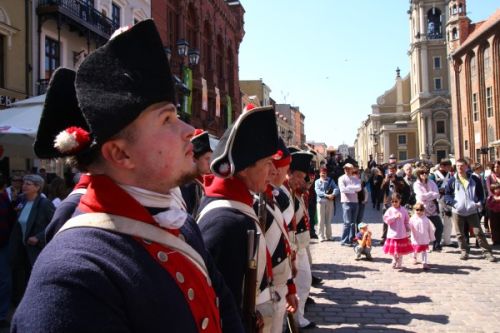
[349, 187]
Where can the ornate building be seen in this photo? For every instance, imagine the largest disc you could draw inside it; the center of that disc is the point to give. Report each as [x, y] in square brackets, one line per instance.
[13, 52]
[430, 103]
[475, 81]
[65, 31]
[212, 31]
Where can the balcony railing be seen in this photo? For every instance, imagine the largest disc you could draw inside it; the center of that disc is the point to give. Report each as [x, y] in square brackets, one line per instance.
[81, 13]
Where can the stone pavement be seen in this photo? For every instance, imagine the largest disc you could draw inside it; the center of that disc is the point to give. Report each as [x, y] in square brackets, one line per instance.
[362, 296]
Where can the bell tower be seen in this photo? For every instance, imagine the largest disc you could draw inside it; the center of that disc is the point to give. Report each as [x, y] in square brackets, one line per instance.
[457, 24]
[429, 89]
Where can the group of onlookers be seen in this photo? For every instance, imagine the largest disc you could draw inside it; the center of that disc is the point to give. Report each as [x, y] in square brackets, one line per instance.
[27, 205]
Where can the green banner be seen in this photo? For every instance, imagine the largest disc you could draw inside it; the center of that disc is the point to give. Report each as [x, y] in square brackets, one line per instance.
[229, 110]
[188, 80]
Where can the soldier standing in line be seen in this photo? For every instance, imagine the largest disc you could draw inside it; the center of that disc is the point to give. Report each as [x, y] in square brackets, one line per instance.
[130, 259]
[299, 167]
[193, 191]
[279, 244]
[242, 165]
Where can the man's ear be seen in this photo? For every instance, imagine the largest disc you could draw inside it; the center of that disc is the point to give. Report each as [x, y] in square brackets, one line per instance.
[114, 151]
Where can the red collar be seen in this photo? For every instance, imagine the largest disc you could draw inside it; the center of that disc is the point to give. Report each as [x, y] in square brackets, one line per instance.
[104, 195]
[83, 182]
[229, 188]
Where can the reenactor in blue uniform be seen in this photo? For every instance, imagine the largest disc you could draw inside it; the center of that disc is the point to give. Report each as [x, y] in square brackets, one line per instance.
[131, 259]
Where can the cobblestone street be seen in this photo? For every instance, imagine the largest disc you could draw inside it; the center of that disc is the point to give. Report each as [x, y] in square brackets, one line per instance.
[362, 296]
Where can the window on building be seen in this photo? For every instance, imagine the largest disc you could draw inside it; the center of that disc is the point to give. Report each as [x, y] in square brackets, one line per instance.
[492, 154]
[434, 25]
[486, 60]
[437, 83]
[466, 144]
[478, 155]
[473, 66]
[2, 61]
[454, 33]
[437, 62]
[440, 127]
[460, 8]
[440, 155]
[401, 139]
[115, 15]
[489, 102]
[475, 111]
[402, 155]
[52, 56]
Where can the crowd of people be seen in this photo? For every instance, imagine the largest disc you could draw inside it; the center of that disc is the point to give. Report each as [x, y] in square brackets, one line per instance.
[415, 198]
[162, 231]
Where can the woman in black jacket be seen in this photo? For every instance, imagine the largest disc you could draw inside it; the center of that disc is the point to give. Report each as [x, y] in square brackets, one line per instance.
[28, 236]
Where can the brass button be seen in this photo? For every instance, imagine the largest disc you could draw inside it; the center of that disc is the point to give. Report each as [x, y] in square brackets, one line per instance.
[179, 277]
[204, 324]
[162, 256]
[190, 294]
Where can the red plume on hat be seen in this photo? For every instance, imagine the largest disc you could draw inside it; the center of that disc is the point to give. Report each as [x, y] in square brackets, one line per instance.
[72, 140]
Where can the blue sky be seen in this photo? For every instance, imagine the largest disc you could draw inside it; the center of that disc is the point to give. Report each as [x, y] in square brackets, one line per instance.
[331, 58]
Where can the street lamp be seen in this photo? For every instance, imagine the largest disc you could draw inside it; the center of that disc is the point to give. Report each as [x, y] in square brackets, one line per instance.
[193, 57]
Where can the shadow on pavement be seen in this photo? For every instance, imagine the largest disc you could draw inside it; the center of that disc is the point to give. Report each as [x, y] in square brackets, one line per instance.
[369, 328]
[340, 272]
[373, 314]
[442, 269]
[354, 296]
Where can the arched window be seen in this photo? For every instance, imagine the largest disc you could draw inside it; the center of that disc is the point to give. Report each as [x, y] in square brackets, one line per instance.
[220, 62]
[454, 33]
[460, 8]
[454, 9]
[206, 54]
[192, 35]
[473, 66]
[434, 25]
[486, 60]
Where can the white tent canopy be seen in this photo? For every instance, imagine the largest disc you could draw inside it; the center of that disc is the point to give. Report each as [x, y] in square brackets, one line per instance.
[18, 126]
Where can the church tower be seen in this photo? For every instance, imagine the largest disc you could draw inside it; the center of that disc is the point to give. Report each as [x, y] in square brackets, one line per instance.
[430, 88]
[457, 25]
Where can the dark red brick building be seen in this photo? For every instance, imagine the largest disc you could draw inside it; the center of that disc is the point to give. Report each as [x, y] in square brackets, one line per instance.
[215, 29]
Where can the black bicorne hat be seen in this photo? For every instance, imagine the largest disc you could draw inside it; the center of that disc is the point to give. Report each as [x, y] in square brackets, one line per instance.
[301, 161]
[116, 82]
[60, 112]
[201, 142]
[252, 137]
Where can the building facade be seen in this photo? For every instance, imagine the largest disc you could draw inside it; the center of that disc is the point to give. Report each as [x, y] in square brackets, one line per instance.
[213, 30]
[389, 129]
[430, 87]
[65, 31]
[475, 81]
[13, 52]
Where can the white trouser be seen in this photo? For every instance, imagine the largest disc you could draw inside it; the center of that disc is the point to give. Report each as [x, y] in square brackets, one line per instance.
[324, 227]
[303, 284]
[274, 324]
[447, 224]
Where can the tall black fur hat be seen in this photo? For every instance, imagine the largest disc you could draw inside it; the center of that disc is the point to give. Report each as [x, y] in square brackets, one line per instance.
[116, 82]
[60, 112]
[252, 137]
[301, 161]
[201, 142]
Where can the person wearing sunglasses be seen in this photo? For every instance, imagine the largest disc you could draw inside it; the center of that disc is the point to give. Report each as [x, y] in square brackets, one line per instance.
[426, 192]
[422, 233]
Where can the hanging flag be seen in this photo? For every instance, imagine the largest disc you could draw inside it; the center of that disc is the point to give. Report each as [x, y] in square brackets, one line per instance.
[204, 95]
[188, 80]
[217, 102]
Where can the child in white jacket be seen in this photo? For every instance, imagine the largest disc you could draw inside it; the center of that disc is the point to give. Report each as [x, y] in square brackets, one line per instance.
[422, 233]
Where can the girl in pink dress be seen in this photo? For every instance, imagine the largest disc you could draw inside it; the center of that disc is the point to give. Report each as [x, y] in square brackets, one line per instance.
[422, 233]
[397, 243]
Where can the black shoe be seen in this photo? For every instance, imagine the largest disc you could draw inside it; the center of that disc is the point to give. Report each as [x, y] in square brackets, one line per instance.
[310, 301]
[311, 324]
[4, 323]
[316, 281]
[454, 245]
[314, 236]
